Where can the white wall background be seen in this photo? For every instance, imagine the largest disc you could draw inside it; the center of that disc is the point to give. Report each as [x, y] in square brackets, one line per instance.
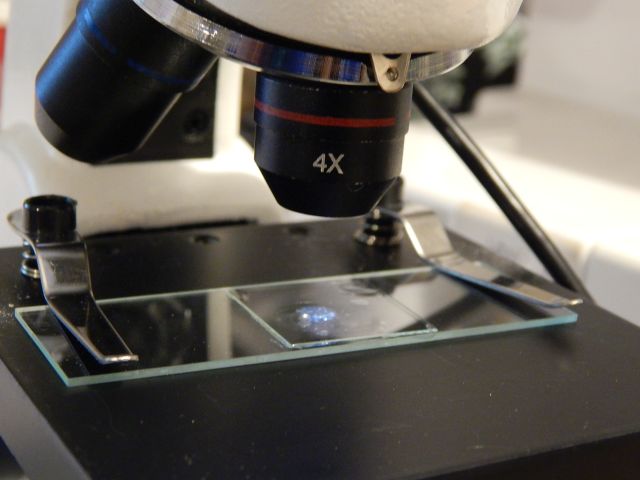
[585, 50]
[34, 28]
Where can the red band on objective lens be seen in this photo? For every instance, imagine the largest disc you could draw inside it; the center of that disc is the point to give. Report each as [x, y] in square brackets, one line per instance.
[325, 121]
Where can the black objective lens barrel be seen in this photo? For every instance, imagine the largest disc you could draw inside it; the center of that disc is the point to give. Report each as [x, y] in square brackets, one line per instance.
[111, 79]
[329, 150]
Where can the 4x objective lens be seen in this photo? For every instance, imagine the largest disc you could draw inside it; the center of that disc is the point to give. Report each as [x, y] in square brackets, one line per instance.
[329, 150]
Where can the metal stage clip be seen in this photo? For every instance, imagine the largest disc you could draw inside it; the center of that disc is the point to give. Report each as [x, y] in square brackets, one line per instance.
[431, 243]
[48, 225]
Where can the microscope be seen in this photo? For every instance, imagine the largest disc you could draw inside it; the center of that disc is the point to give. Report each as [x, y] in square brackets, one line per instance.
[333, 99]
[314, 325]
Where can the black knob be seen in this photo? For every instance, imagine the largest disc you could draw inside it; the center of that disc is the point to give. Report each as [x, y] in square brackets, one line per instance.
[49, 218]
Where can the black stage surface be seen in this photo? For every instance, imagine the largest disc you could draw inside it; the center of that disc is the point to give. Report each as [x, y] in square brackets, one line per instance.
[557, 403]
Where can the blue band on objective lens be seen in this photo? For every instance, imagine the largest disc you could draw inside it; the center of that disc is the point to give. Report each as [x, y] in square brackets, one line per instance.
[132, 64]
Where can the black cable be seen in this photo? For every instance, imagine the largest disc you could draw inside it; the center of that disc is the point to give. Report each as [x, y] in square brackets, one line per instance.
[497, 187]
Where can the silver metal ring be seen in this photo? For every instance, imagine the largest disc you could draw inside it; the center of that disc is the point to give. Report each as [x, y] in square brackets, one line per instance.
[264, 56]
